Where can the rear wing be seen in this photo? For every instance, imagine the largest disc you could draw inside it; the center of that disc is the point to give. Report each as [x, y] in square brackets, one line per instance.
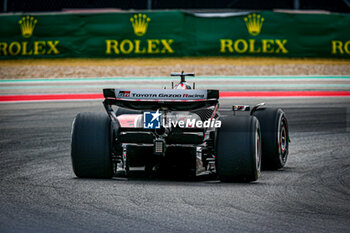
[153, 99]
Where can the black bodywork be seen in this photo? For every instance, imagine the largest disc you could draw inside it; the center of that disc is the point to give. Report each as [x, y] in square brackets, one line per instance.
[190, 150]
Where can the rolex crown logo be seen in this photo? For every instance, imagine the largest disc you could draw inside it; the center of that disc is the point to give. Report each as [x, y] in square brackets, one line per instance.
[254, 23]
[27, 25]
[140, 23]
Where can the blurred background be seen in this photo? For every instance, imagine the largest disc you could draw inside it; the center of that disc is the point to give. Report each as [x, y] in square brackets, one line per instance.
[342, 6]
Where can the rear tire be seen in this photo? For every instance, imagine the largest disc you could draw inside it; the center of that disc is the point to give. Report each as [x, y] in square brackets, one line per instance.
[238, 149]
[91, 145]
[274, 135]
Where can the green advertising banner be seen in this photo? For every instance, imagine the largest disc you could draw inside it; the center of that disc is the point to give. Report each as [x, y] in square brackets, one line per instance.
[174, 33]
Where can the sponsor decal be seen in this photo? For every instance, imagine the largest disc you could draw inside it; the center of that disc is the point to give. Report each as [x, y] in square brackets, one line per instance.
[124, 93]
[254, 23]
[27, 25]
[28, 46]
[139, 25]
[173, 94]
[151, 120]
[340, 47]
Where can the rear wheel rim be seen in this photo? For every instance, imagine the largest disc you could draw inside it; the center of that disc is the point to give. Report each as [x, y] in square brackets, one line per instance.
[258, 149]
[283, 141]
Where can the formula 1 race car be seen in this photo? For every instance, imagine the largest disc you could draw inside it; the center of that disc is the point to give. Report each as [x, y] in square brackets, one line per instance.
[178, 130]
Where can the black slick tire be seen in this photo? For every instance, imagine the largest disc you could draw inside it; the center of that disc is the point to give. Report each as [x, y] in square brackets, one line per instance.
[91, 145]
[274, 135]
[238, 149]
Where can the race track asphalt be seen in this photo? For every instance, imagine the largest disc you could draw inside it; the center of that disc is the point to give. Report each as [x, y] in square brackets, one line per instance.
[39, 192]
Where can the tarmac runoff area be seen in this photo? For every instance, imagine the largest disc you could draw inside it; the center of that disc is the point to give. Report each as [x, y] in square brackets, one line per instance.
[39, 192]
